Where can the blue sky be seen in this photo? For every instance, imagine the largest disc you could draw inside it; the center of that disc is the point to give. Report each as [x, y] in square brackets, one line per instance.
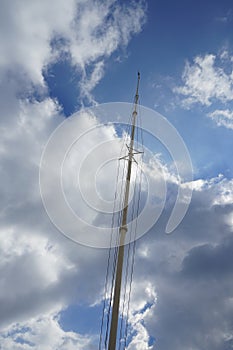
[173, 34]
[60, 56]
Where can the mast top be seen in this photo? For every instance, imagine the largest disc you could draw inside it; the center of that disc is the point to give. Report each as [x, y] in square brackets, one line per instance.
[136, 95]
[138, 84]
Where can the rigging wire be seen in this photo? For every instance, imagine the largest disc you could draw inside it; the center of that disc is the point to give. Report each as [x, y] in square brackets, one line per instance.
[135, 233]
[116, 246]
[113, 252]
[116, 249]
[108, 263]
[131, 248]
[127, 268]
[132, 266]
[125, 277]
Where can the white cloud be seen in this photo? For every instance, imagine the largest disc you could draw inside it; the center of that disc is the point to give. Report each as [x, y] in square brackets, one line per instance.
[41, 272]
[71, 274]
[100, 31]
[90, 31]
[205, 81]
[219, 189]
[225, 18]
[88, 83]
[223, 117]
[142, 304]
[43, 333]
[191, 271]
[31, 270]
[26, 31]
[140, 340]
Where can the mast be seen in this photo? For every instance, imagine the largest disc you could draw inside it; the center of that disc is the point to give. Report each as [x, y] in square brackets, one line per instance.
[123, 231]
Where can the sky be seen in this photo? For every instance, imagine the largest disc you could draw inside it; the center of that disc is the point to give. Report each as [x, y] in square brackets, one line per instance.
[58, 57]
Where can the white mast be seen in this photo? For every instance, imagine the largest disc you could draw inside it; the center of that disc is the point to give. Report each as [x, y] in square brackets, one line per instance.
[123, 231]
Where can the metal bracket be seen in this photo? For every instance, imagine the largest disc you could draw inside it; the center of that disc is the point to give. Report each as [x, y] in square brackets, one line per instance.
[133, 153]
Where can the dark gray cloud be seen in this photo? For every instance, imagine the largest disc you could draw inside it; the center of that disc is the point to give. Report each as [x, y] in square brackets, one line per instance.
[41, 272]
[192, 274]
[208, 261]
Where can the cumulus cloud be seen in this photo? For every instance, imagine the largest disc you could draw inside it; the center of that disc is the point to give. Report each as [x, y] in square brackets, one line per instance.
[25, 275]
[208, 81]
[205, 80]
[166, 272]
[143, 302]
[41, 272]
[223, 117]
[28, 240]
[191, 271]
[43, 333]
[36, 34]
[26, 31]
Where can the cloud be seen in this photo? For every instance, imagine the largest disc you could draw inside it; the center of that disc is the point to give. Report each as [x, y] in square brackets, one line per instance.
[43, 333]
[223, 117]
[191, 272]
[166, 269]
[30, 245]
[41, 271]
[205, 81]
[226, 18]
[142, 304]
[208, 82]
[90, 82]
[26, 32]
[27, 285]
[37, 34]
[216, 259]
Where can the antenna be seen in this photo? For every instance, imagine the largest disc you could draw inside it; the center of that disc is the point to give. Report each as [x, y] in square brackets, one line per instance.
[123, 230]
